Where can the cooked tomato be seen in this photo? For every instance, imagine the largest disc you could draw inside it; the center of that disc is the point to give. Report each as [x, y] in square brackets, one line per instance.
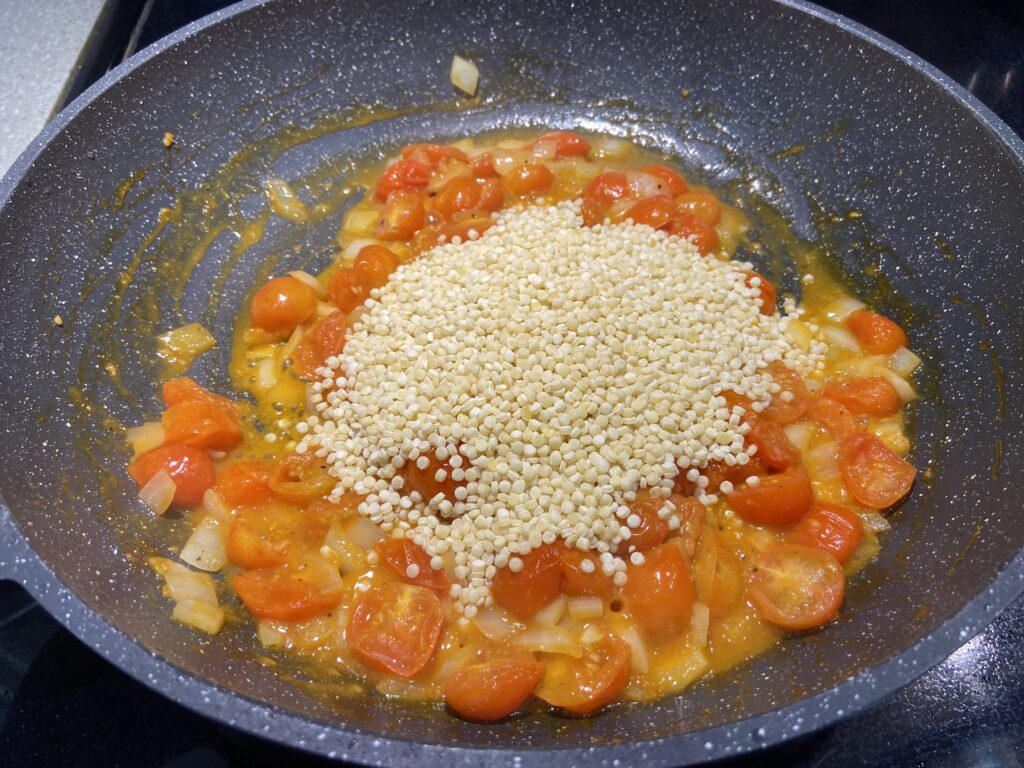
[877, 335]
[656, 212]
[248, 549]
[183, 388]
[300, 478]
[696, 230]
[651, 530]
[592, 213]
[528, 179]
[402, 554]
[465, 223]
[830, 527]
[582, 686]
[871, 396]
[432, 155]
[766, 289]
[279, 594]
[783, 408]
[773, 447]
[660, 591]
[282, 304]
[874, 475]
[692, 515]
[673, 184]
[606, 188]
[717, 472]
[567, 144]
[202, 424]
[396, 627]
[403, 176]
[482, 167]
[702, 205]
[776, 499]
[833, 416]
[727, 583]
[324, 339]
[797, 587]
[467, 194]
[402, 217]
[189, 467]
[493, 689]
[346, 291]
[577, 582]
[537, 583]
[244, 483]
[374, 265]
[424, 481]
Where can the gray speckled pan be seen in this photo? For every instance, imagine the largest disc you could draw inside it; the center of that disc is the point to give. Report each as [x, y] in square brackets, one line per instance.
[777, 102]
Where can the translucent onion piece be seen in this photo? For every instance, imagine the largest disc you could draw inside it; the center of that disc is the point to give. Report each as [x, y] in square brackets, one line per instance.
[591, 634]
[284, 202]
[639, 658]
[799, 334]
[583, 608]
[550, 639]
[683, 674]
[215, 505]
[607, 148]
[494, 623]
[269, 635]
[544, 150]
[841, 338]
[448, 171]
[158, 493]
[904, 362]
[464, 75]
[874, 522]
[206, 617]
[266, 374]
[872, 365]
[360, 223]
[205, 547]
[799, 434]
[505, 162]
[364, 533]
[181, 346]
[842, 308]
[551, 613]
[352, 250]
[453, 662]
[308, 279]
[145, 437]
[822, 461]
[183, 583]
[699, 623]
[902, 387]
[643, 184]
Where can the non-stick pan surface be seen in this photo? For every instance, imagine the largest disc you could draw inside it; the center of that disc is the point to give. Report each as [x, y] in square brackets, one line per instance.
[909, 184]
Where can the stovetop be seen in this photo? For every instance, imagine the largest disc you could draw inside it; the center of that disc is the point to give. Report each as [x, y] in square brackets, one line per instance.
[61, 704]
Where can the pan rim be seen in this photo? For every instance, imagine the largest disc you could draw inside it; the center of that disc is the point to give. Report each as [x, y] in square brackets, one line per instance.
[339, 740]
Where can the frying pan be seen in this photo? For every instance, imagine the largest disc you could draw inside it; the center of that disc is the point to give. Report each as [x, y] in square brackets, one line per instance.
[911, 188]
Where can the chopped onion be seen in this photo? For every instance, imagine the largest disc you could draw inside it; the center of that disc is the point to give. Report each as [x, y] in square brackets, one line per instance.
[862, 366]
[869, 547]
[550, 639]
[360, 223]
[269, 635]
[643, 184]
[266, 374]
[308, 279]
[350, 251]
[183, 583]
[494, 623]
[350, 558]
[874, 522]
[699, 622]
[544, 150]
[799, 434]
[215, 505]
[284, 202]
[145, 437]
[904, 362]
[158, 493]
[206, 617]
[591, 634]
[639, 659]
[903, 389]
[840, 337]
[504, 162]
[890, 432]
[842, 308]
[410, 690]
[607, 148]
[323, 309]
[552, 612]
[205, 547]
[453, 662]
[291, 344]
[583, 608]
[450, 170]
[363, 532]
[464, 75]
[822, 461]
[183, 345]
[799, 334]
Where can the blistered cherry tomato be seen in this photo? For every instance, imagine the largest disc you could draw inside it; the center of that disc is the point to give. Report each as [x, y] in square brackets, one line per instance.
[528, 179]
[537, 583]
[492, 690]
[374, 265]
[877, 335]
[395, 628]
[796, 587]
[776, 499]
[282, 304]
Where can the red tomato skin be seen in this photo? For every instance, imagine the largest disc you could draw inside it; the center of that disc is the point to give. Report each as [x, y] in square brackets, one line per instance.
[773, 446]
[324, 339]
[395, 628]
[673, 183]
[829, 527]
[399, 554]
[346, 291]
[579, 583]
[432, 155]
[606, 188]
[528, 179]
[282, 304]
[403, 215]
[696, 230]
[567, 144]
[244, 483]
[661, 591]
[782, 411]
[492, 690]
[179, 390]
[870, 396]
[833, 416]
[401, 176]
[776, 500]
[191, 469]
[702, 205]
[374, 264]
[875, 476]
[767, 290]
[815, 615]
[538, 583]
[877, 335]
[652, 530]
[201, 424]
[655, 212]
[272, 594]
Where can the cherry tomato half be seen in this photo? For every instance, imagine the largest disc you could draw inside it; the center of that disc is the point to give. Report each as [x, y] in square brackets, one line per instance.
[652, 529]
[871, 396]
[244, 483]
[696, 230]
[396, 627]
[567, 144]
[877, 335]
[346, 291]
[190, 468]
[577, 582]
[584, 685]
[493, 689]
[528, 179]
[402, 554]
[405, 175]
[660, 591]
[282, 304]
[776, 499]
[830, 527]
[202, 424]
[374, 265]
[536, 584]
[324, 339]
[766, 289]
[673, 184]
[874, 475]
[279, 595]
[783, 408]
[796, 587]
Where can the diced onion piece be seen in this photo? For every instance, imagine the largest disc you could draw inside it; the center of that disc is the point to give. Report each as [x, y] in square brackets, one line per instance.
[904, 362]
[699, 622]
[363, 532]
[799, 434]
[544, 150]
[799, 334]
[450, 170]
[308, 279]
[643, 184]
[291, 344]
[583, 608]
[822, 461]
[410, 690]
[453, 662]
[552, 612]
[465, 75]
[269, 635]
[874, 522]
[183, 583]
[842, 308]
[350, 251]
[504, 162]
[901, 385]
[550, 639]
[158, 493]
[639, 659]
[494, 623]
[608, 148]
[350, 558]
[360, 223]
[890, 432]
[683, 673]
[869, 547]
[323, 309]
[183, 345]
[215, 505]
[840, 338]
[591, 634]
[284, 202]
[206, 617]
[863, 367]
[266, 374]
[205, 547]
[145, 437]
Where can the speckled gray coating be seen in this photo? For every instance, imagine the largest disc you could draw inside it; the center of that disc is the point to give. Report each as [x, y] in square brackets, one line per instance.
[937, 181]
